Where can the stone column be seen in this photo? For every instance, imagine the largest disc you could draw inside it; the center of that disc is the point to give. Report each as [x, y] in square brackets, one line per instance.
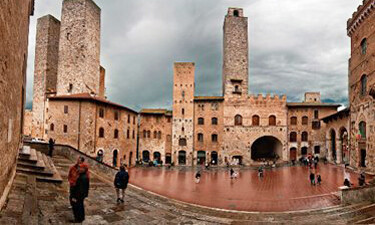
[339, 151]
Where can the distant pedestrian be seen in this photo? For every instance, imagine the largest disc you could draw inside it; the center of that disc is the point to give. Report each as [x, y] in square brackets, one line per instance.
[347, 183]
[79, 181]
[198, 177]
[315, 163]
[260, 172]
[121, 183]
[51, 146]
[319, 179]
[231, 172]
[207, 166]
[362, 179]
[312, 178]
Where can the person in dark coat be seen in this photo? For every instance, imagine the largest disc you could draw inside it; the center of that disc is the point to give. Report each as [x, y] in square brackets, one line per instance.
[121, 183]
[51, 145]
[312, 178]
[79, 181]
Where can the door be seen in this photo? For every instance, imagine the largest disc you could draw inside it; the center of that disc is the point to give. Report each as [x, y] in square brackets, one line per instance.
[363, 157]
[293, 154]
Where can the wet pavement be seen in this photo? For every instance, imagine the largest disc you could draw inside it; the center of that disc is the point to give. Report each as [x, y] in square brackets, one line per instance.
[281, 189]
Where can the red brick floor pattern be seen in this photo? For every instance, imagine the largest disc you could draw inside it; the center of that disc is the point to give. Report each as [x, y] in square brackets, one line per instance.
[282, 189]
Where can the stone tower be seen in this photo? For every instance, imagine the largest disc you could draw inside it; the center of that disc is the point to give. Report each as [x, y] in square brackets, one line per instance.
[235, 53]
[45, 73]
[183, 112]
[79, 50]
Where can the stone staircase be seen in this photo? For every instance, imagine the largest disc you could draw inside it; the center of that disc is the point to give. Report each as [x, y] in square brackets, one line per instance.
[33, 162]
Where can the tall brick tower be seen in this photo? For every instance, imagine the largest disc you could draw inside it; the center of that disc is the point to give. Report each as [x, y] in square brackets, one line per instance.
[183, 113]
[235, 53]
[45, 72]
[79, 51]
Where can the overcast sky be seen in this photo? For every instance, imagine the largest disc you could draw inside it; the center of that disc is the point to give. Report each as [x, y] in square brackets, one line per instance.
[295, 46]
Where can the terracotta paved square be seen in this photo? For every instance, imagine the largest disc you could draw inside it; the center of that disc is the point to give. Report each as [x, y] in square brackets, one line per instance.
[281, 189]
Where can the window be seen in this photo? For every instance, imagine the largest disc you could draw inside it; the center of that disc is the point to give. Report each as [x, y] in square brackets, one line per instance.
[183, 94]
[116, 115]
[214, 138]
[183, 111]
[65, 128]
[293, 120]
[238, 120]
[52, 127]
[304, 136]
[305, 120]
[66, 109]
[293, 137]
[148, 134]
[364, 46]
[317, 149]
[214, 121]
[316, 114]
[101, 113]
[255, 120]
[200, 121]
[159, 135]
[70, 89]
[133, 136]
[182, 142]
[155, 134]
[133, 119]
[272, 120]
[182, 129]
[115, 135]
[235, 13]
[362, 129]
[316, 125]
[101, 132]
[144, 134]
[200, 137]
[128, 118]
[363, 85]
[236, 88]
[128, 134]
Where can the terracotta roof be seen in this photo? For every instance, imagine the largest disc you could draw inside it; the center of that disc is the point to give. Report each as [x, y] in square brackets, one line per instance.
[88, 97]
[312, 104]
[153, 111]
[208, 98]
[343, 113]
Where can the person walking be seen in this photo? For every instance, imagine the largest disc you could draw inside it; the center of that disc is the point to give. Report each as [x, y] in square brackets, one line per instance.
[121, 183]
[79, 181]
[319, 179]
[198, 177]
[362, 179]
[51, 145]
[260, 172]
[312, 178]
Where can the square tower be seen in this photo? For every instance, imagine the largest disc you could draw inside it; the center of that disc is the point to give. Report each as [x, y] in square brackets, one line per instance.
[183, 113]
[79, 51]
[235, 53]
[45, 72]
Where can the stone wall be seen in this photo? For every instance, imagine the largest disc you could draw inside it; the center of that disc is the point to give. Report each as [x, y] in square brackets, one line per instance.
[14, 30]
[79, 49]
[357, 195]
[45, 69]
[27, 122]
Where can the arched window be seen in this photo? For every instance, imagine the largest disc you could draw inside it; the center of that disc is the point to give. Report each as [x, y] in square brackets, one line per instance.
[52, 127]
[305, 120]
[214, 121]
[363, 85]
[255, 120]
[159, 135]
[144, 133]
[238, 120]
[364, 46]
[200, 137]
[235, 13]
[200, 121]
[148, 134]
[293, 120]
[182, 142]
[362, 129]
[304, 136]
[272, 120]
[293, 137]
[155, 134]
[128, 134]
[101, 132]
[115, 135]
[214, 137]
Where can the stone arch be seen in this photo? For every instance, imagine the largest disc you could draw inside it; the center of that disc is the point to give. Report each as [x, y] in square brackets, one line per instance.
[266, 147]
[145, 155]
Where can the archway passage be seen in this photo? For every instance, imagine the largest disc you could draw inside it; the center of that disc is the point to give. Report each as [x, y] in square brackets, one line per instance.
[267, 147]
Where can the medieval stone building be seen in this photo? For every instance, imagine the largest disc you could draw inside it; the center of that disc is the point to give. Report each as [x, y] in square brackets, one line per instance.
[14, 32]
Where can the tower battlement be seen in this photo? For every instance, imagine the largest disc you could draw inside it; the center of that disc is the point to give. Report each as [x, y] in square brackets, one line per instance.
[274, 99]
[363, 11]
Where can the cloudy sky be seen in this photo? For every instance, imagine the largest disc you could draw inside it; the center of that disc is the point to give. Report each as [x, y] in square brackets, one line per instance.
[295, 46]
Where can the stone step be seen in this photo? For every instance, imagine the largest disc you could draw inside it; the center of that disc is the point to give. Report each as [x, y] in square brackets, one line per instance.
[370, 220]
[47, 173]
[39, 165]
[25, 151]
[31, 158]
[56, 178]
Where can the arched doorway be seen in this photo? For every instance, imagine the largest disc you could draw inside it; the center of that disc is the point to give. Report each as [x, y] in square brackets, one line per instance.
[145, 156]
[214, 158]
[181, 158]
[99, 156]
[266, 147]
[201, 157]
[114, 159]
[157, 157]
[168, 158]
[293, 154]
[333, 144]
[130, 158]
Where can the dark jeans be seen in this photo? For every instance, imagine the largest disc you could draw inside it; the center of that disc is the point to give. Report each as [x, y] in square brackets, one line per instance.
[78, 210]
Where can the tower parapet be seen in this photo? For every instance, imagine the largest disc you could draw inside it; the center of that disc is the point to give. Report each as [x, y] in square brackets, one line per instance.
[363, 11]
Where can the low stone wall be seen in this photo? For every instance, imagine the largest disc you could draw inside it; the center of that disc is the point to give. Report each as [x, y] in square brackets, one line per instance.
[357, 194]
[72, 154]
